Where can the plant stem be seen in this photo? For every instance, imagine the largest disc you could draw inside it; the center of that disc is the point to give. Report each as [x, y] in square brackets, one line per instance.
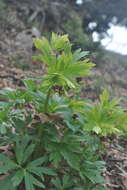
[47, 101]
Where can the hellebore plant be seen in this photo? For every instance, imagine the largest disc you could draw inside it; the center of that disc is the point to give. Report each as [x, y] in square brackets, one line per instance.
[48, 134]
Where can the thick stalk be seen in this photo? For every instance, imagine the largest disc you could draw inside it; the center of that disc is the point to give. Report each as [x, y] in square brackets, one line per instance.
[47, 101]
[39, 144]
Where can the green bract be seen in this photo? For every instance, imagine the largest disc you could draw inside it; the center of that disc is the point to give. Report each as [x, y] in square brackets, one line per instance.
[62, 66]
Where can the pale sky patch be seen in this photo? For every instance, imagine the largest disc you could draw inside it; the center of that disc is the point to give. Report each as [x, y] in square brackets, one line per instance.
[79, 2]
[116, 40]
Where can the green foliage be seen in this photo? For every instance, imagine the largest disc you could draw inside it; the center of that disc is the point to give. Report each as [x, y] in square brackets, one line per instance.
[62, 66]
[24, 168]
[2, 11]
[106, 117]
[50, 135]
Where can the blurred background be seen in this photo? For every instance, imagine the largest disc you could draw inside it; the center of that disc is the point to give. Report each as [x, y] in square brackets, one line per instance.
[97, 26]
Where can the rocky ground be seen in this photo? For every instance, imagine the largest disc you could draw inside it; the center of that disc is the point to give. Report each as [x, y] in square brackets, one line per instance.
[115, 172]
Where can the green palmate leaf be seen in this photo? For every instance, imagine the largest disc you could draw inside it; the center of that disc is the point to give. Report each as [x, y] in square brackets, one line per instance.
[57, 182]
[67, 181]
[68, 82]
[19, 151]
[78, 54]
[8, 167]
[94, 177]
[55, 157]
[23, 149]
[30, 83]
[20, 125]
[36, 171]
[79, 69]
[37, 162]
[72, 159]
[30, 181]
[36, 182]
[8, 164]
[42, 170]
[92, 171]
[17, 178]
[47, 171]
[27, 153]
[6, 184]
